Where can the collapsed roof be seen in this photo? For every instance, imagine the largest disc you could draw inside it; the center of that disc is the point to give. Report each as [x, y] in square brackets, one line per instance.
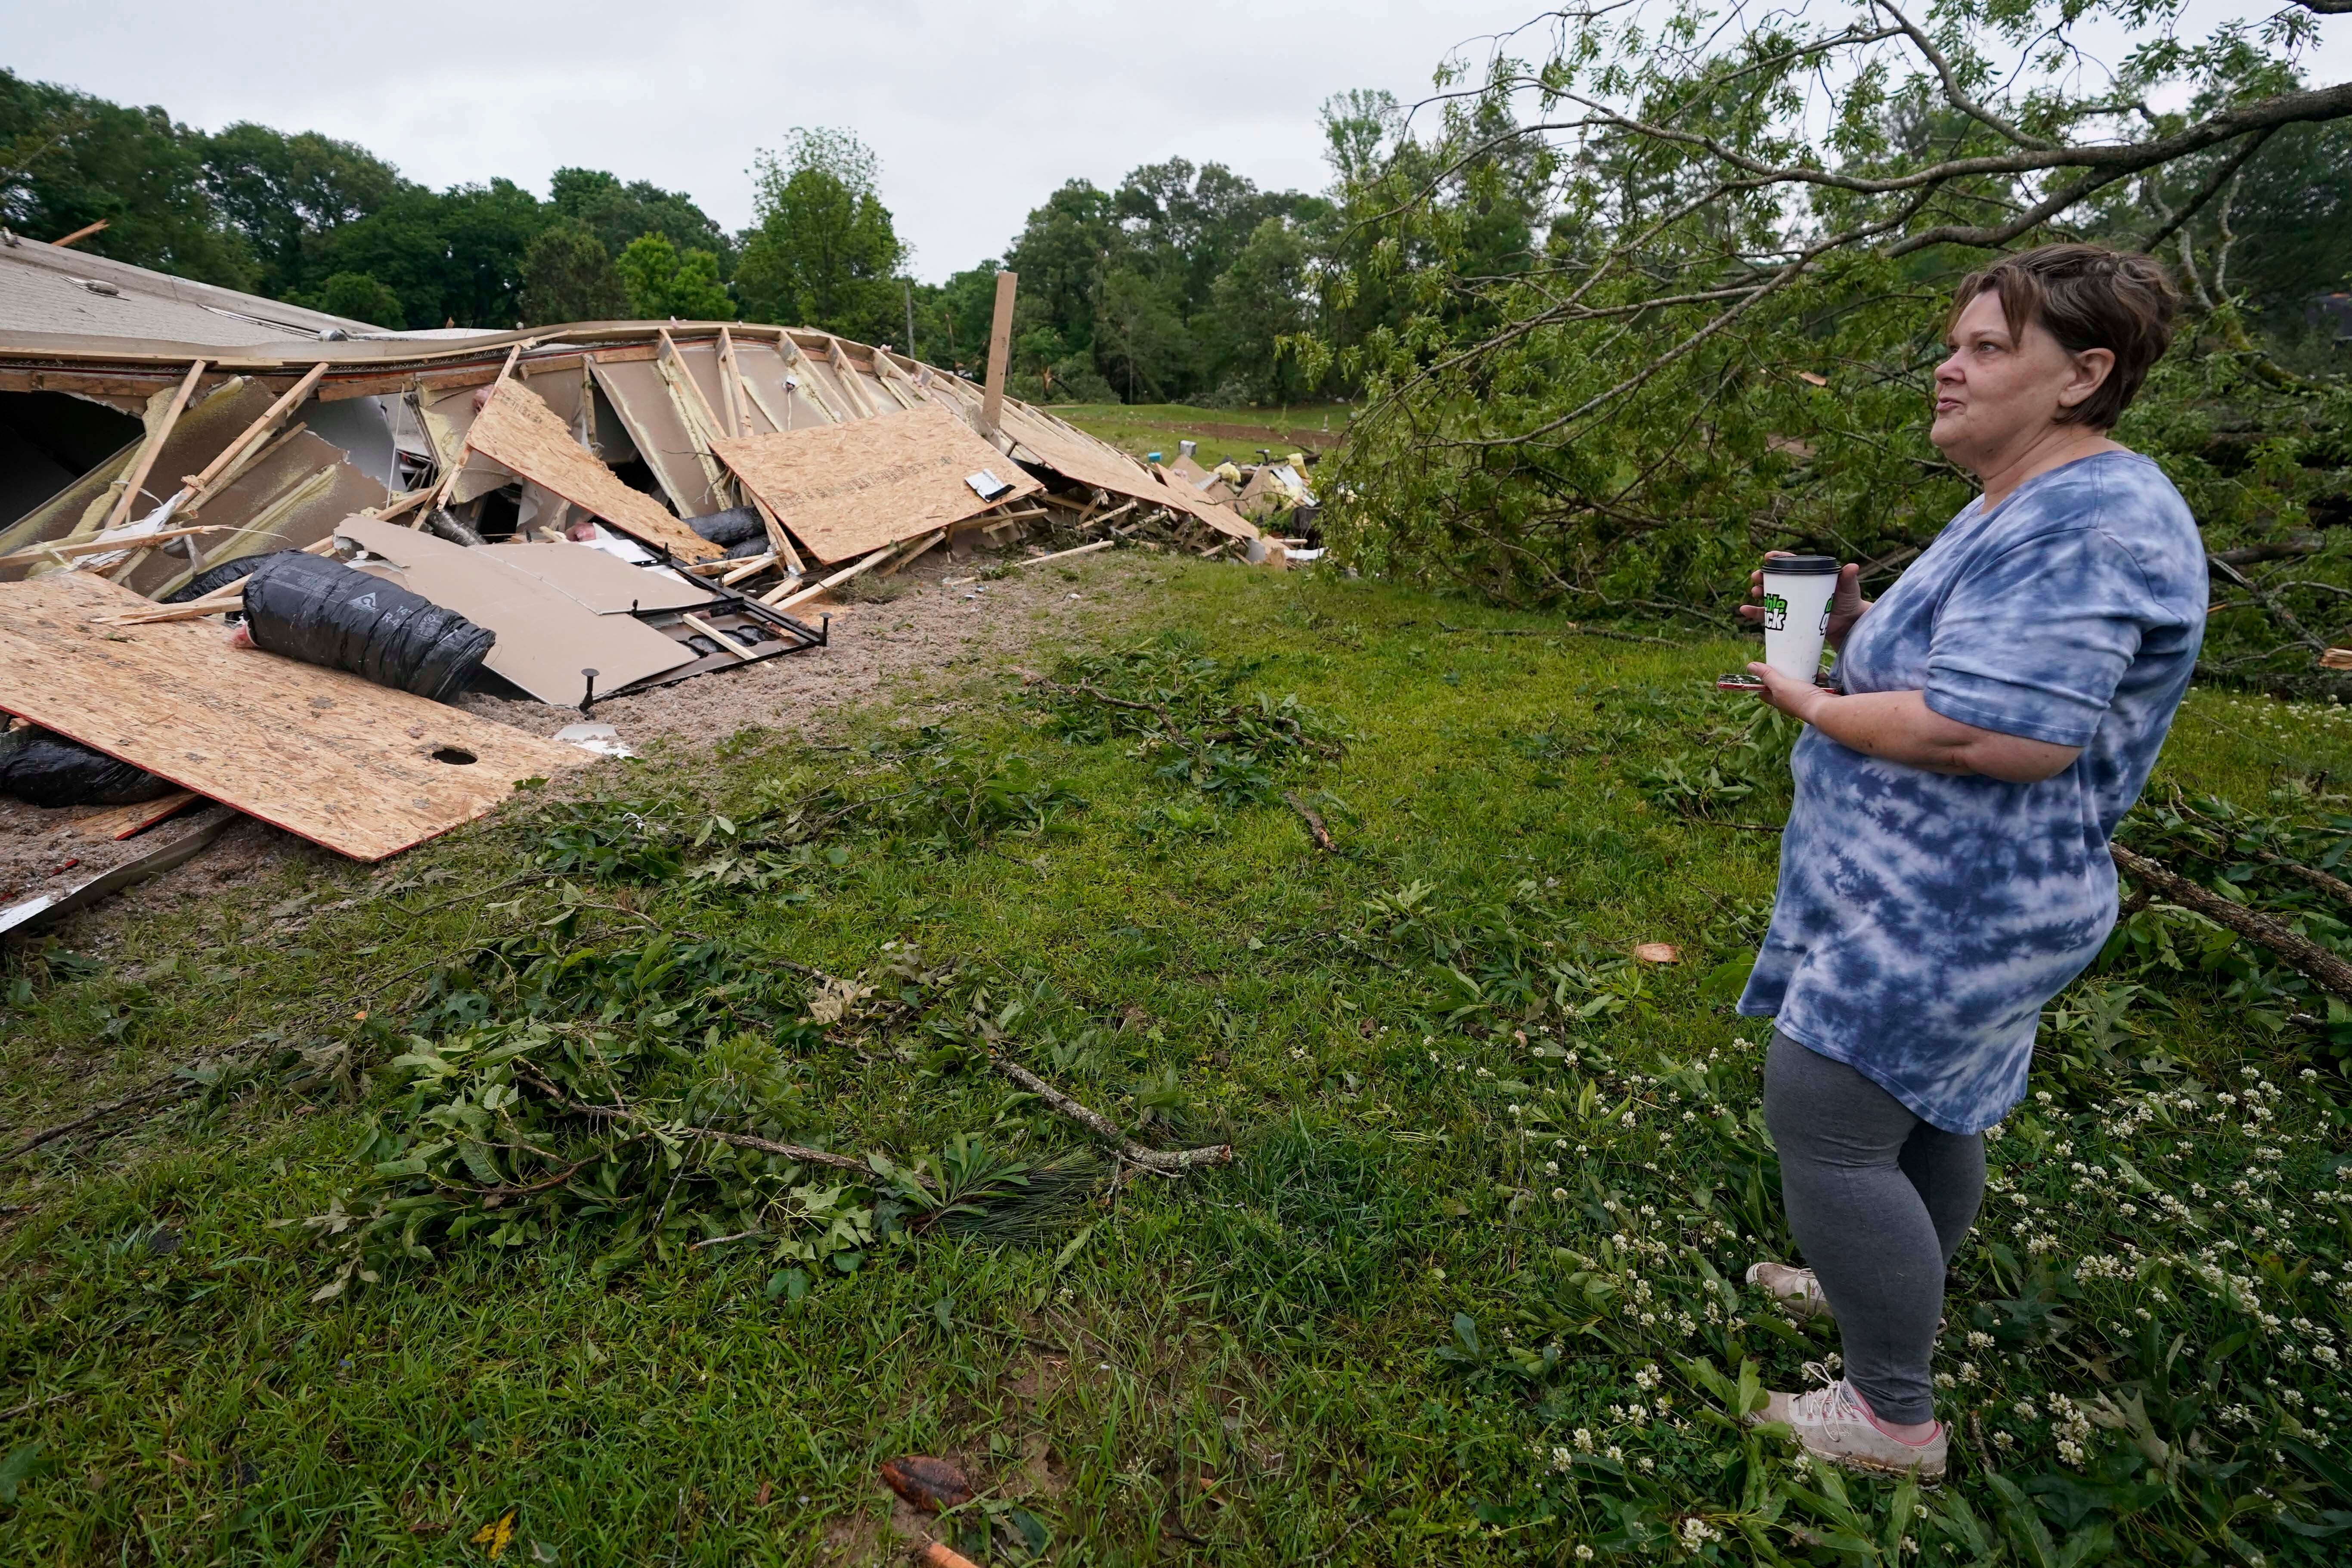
[602, 505]
[679, 413]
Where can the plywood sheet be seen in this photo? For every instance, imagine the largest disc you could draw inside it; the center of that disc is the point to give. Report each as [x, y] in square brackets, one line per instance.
[546, 637]
[449, 413]
[847, 490]
[122, 821]
[637, 393]
[1077, 456]
[316, 751]
[605, 584]
[523, 434]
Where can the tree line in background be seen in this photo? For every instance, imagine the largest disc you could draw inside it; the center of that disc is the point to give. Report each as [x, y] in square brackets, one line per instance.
[1182, 284]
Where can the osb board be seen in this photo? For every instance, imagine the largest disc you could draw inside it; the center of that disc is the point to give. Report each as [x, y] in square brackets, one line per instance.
[120, 822]
[318, 752]
[1080, 456]
[449, 413]
[546, 637]
[523, 433]
[605, 584]
[847, 490]
[638, 394]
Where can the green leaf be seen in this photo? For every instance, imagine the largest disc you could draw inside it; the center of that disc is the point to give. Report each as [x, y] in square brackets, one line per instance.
[1721, 986]
[16, 1470]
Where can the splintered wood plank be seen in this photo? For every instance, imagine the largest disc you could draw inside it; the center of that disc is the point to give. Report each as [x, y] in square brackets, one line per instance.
[122, 821]
[849, 490]
[522, 433]
[361, 769]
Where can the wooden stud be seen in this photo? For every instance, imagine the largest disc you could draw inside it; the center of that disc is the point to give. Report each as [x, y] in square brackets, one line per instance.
[152, 449]
[751, 568]
[1000, 349]
[1060, 554]
[778, 598]
[694, 413]
[196, 488]
[61, 551]
[796, 359]
[907, 558]
[731, 383]
[778, 535]
[715, 634]
[850, 385]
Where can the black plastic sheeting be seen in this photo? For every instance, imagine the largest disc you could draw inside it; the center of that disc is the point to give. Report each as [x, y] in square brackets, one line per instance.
[213, 579]
[736, 525]
[42, 768]
[326, 614]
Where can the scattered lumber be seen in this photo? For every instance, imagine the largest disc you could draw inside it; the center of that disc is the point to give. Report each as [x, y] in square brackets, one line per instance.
[1019, 561]
[361, 769]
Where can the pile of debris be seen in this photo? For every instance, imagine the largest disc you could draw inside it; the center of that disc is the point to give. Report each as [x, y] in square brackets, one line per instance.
[255, 573]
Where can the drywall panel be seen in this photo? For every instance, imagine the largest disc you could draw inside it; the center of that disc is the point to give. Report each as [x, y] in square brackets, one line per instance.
[546, 637]
[763, 367]
[638, 394]
[606, 584]
[850, 488]
[361, 769]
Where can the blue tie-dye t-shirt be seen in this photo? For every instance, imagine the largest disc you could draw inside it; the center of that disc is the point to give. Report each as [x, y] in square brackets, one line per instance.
[1924, 919]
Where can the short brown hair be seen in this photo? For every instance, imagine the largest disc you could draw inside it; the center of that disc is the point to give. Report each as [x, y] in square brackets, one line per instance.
[2090, 298]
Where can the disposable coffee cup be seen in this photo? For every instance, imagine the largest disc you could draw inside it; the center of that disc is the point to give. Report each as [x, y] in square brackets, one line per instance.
[1796, 592]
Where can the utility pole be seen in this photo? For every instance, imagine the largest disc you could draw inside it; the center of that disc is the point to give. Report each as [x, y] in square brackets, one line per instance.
[911, 318]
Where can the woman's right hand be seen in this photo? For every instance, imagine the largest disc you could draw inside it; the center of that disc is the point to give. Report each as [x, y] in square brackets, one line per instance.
[1846, 603]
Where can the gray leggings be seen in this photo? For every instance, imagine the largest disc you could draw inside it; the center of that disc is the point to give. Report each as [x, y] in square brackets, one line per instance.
[1879, 1200]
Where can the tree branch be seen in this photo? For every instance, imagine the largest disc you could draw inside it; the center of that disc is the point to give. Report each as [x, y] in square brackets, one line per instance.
[2315, 962]
[1166, 1162]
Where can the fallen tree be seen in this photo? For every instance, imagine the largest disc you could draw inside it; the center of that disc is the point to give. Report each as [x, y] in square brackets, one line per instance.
[1745, 231]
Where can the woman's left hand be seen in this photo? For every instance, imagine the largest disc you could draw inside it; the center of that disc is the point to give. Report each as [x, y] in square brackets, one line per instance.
[1800, 700]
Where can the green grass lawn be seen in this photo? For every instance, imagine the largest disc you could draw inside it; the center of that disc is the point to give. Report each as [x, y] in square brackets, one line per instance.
[1144, 427]
[1460, 1297]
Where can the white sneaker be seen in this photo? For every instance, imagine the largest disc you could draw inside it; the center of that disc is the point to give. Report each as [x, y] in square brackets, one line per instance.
[1799, 1293]
[1834, 1425]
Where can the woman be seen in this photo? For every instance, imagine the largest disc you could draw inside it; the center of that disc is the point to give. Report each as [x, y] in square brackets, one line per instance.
[1945, 871]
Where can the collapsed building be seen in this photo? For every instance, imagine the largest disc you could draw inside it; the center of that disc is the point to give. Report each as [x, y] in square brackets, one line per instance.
[244, 545]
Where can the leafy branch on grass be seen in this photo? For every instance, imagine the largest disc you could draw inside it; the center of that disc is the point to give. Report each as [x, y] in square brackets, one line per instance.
[595, 1104]
[1188, 711]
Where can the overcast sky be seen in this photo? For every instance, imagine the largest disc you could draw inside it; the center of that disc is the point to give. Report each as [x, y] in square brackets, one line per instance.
[978, 111]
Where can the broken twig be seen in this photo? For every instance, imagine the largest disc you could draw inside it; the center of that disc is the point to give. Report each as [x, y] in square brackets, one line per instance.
[1164, 1162]
[1314, 823]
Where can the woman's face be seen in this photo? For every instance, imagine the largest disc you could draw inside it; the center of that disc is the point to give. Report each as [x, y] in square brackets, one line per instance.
[1999, 389]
